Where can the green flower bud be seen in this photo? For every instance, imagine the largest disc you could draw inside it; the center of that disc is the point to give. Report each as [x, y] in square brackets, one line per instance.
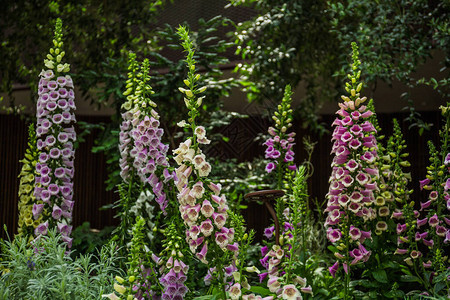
[119, 279]
[119, 288]
[359, 87]
[189, 93]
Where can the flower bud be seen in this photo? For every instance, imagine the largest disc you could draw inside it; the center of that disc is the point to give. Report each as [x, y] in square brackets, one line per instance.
[345, 98]
[189, 93]
[359, 87]
[120, 279]
[119, 288]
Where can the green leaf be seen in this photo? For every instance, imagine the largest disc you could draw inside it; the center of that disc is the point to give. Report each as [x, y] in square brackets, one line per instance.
[394, 294]
[260, 290]
[409, 278]
[333, 248]
[204, 297]
[438, 287]
[380, 276]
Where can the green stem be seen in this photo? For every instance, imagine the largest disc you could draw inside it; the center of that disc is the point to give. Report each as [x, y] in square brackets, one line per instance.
[347, 260]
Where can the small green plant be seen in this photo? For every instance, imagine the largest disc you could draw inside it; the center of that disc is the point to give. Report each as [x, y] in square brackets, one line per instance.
[43, 270]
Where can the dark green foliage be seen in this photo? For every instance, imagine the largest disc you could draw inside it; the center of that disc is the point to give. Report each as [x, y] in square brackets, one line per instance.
[87, 240]
[296, 40]
[96, 30]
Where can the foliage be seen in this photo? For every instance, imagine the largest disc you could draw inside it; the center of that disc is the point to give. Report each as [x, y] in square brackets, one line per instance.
[282, 46]
[87, 240]
[97, 31]
[43, 270]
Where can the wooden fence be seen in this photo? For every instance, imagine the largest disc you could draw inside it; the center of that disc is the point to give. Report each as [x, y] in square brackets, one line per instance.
[90, 168]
